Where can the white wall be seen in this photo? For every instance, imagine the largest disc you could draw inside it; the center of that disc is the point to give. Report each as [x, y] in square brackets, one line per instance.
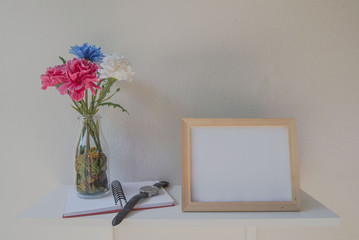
[192, 58]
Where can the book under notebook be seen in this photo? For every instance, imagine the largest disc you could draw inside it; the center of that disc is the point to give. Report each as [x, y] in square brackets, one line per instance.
[76, 207]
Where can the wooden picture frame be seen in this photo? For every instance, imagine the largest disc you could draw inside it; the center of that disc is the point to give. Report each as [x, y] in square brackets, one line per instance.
[239, 165]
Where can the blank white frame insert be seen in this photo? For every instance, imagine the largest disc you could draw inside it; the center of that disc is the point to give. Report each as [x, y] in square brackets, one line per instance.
[239, 165]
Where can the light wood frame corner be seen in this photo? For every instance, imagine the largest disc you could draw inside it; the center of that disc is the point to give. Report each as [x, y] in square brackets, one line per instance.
[189, 205]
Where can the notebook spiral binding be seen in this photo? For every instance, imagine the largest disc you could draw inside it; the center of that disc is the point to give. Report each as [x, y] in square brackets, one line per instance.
[117, 192]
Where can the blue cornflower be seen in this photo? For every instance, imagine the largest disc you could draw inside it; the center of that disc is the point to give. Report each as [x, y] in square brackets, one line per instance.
[88, 52]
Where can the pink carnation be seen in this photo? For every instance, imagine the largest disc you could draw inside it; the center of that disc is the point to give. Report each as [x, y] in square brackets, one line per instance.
[53, 76]
[80, 75]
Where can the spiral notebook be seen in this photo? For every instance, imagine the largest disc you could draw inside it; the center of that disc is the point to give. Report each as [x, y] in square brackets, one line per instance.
[76, 207]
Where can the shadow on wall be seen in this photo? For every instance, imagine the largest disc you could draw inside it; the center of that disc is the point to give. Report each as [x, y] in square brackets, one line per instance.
[146, 144]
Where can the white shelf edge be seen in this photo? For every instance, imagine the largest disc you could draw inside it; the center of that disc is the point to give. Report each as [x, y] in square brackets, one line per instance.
[314, 214]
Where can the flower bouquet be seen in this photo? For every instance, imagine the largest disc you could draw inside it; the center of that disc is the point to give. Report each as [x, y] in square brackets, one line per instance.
[89, 70]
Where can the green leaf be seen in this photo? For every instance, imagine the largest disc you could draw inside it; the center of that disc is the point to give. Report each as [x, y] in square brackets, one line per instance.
[112, 80]
[105, 89]
[62, 59]
[76, 109]
[83, 106]
[114, 105]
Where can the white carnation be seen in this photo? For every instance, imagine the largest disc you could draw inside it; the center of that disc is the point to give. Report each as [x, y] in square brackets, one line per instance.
[114, 66]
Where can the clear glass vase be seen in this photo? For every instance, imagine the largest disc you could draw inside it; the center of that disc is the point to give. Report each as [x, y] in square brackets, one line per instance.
[91, 164]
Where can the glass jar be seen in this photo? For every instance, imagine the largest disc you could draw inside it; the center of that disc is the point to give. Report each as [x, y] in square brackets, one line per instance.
[91, 159]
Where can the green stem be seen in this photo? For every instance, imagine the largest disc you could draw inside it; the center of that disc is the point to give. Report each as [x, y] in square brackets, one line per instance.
[90, 128]
[78, 148]
[95, 135]
[105, 91]
[93, 100]
[110, 96]
[87, 149]
[86, 100]
[83, 107]
[77, 107]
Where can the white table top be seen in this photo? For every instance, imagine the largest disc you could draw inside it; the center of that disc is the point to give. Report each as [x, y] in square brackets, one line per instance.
[313, 213]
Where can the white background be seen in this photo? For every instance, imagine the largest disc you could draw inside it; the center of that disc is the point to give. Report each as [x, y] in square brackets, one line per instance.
[192, 58]
[230, 164]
